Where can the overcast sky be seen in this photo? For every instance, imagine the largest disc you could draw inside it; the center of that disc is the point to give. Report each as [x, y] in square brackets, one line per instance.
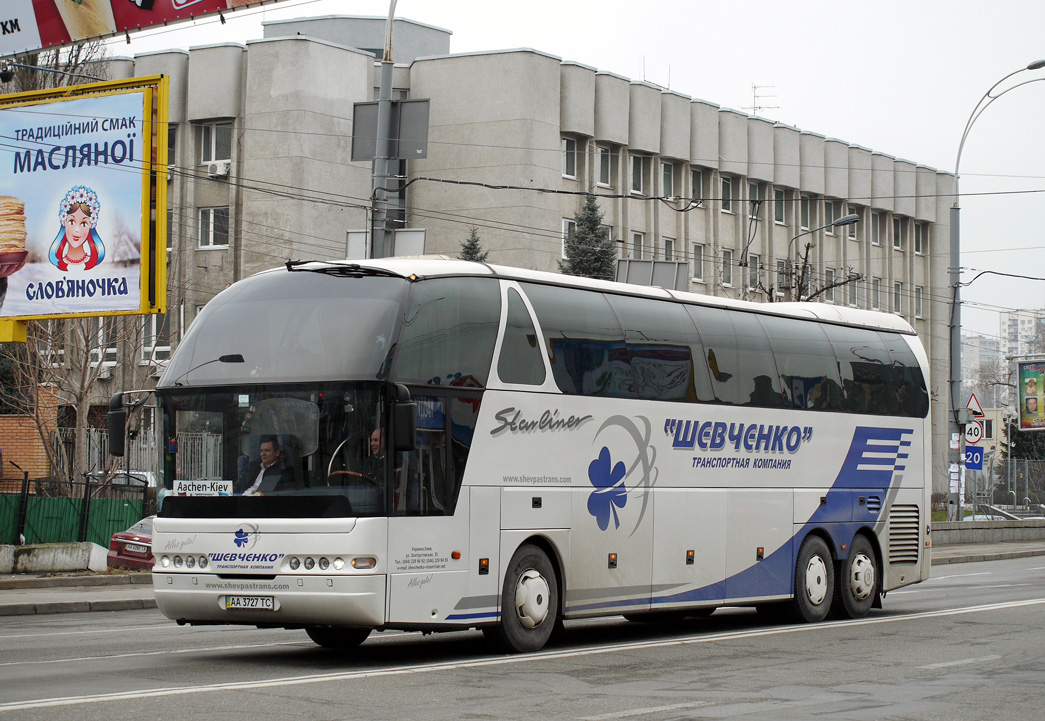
[896, 76]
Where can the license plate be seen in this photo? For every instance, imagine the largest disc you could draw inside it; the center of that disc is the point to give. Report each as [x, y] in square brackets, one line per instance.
[262, 603]
[135, 548]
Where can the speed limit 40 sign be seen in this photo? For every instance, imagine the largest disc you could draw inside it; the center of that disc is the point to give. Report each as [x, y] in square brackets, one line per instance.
[973, 432]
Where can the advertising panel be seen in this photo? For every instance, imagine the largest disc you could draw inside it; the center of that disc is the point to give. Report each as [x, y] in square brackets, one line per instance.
[78, 184]
[1031, 382]
[29, 25]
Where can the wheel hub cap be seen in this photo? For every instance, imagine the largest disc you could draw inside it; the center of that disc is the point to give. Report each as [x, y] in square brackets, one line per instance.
[816, 581]
[531, 598]
[861, 577]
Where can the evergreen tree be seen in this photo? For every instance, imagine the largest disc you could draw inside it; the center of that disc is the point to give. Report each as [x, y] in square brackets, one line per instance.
[590, 252]
[472, 248]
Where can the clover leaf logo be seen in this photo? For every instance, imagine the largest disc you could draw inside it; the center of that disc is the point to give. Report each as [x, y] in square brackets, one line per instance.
[241, 538]
[610, 492]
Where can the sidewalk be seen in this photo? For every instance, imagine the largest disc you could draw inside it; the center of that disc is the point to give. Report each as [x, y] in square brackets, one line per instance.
[26, 594]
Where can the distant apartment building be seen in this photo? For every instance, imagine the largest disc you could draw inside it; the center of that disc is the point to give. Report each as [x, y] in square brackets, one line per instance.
[260, 137]
[983, 370]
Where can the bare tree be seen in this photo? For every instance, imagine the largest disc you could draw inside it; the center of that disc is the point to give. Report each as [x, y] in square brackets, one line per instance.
[60, 67]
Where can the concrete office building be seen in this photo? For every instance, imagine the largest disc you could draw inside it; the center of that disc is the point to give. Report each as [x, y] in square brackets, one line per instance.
[261, 135]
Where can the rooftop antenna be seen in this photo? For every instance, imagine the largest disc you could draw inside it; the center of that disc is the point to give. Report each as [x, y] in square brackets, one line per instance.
[757, 97]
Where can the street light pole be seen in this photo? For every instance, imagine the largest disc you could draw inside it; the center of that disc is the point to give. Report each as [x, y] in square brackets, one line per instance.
[955, 421]
[379, 245]
[796, 293]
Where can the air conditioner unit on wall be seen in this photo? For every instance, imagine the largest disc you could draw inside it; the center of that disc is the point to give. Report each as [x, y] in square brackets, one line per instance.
[219, 169]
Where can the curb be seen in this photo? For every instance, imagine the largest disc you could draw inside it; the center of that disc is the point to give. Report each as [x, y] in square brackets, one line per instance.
[974, 558]
[15, 582]
[29, 609]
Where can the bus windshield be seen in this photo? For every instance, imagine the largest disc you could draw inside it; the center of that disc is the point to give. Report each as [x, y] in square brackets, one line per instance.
[305, 450]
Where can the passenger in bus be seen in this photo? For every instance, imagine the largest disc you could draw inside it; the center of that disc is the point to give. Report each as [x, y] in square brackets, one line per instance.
[268, 473]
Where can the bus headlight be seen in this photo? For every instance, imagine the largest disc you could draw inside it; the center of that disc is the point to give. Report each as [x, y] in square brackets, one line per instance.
[165, 561]
[310, 563]
[339, 563]
[324, 563]
[295, 563]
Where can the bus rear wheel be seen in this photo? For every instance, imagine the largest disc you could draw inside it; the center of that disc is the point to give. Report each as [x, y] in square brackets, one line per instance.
[337, 637]
[857, 581]
[529, 602]
[814, 581]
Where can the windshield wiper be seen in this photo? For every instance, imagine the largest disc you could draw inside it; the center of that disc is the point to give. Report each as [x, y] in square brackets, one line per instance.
[341, 270]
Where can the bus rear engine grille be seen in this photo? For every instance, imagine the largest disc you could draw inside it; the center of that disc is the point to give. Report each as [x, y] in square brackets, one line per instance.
[903, 534]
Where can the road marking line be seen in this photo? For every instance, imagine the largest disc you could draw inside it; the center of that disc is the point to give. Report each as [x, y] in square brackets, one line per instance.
[210, 649]
[644, 711]
[501, 661]
[957, 575]
[82, 633]
[963, 662]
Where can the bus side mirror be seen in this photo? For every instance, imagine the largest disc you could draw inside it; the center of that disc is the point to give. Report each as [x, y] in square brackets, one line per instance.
[117, 424]
[404, 426]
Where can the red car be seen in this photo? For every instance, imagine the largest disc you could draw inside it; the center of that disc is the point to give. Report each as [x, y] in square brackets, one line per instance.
[132, 548]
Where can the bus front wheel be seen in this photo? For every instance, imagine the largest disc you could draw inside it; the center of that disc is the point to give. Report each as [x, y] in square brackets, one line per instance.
[857, 581]
[529, 602]
[814, 581]
[337, 637]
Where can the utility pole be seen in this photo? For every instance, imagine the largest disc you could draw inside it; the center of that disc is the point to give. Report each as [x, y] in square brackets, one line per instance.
[383, 150]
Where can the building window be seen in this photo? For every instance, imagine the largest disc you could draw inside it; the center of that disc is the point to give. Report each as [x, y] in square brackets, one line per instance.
[876, 293]
[103, 340]
[727, 195]
[667, 180]
[851, 286]
[569, 227]
[898, 228]
[830, 215]
[637, 168]
[569, 158]
[668, 245]
[605, 165]
[697, 261]
[807, 211]
[852, 226]
[919, 295]
[697, 179]
[215, 142]
[637, 241]
[780, 206]
[214, 227]
[897, 297]
[727, 267]
[754, 200]
[156, 338]
[753, 274]
[781, 276]
[876, 228]
[829, 282]
[919, 239]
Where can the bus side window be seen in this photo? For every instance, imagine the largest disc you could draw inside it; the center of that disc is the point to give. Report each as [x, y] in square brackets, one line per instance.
[909, 384]
[520, 360]
[427, 480]
[738, 357]
[806, 363]
[664, 349]
[585, 342]
[863, 363]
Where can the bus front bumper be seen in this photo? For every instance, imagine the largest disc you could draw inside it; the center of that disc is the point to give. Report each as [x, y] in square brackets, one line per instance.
[285, 600]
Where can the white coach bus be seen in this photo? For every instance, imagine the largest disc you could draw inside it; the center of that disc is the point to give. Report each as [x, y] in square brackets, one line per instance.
[453, 445]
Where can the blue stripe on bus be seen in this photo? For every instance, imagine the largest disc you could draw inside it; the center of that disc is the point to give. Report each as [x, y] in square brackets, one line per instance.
[492, 615]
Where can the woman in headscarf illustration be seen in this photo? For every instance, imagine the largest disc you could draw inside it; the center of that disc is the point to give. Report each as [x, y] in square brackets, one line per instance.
[77, 245]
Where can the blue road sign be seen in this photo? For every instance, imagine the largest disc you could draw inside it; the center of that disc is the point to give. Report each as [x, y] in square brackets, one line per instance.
[974, 458]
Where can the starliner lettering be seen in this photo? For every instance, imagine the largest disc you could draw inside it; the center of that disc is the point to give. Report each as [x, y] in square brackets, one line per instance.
[245, 557]
[513, 420]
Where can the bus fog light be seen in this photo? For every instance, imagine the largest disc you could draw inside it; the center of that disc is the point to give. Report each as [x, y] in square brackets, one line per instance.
[310, 563]
[165, 561]
[178, 562]
[324, 563]
[339, 563]
[364, 562]
[203, 561]
[295, 563]
[190, 562]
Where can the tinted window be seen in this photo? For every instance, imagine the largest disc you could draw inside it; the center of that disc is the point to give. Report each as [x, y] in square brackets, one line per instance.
[585, 342]
[864, 365]
[806, 363]
[448, 332]
[908, 383]
[520, 360]
[738, 356]
[664, 350]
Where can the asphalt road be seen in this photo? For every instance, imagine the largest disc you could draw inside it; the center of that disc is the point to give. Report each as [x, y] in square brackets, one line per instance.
[968, 644]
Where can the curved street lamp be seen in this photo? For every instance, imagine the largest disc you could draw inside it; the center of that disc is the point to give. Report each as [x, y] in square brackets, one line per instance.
[954, 273]
[795, 293]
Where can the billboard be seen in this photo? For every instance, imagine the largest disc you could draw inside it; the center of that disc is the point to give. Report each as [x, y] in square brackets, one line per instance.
[29, 25]
[81, 177]
[1031, 382]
